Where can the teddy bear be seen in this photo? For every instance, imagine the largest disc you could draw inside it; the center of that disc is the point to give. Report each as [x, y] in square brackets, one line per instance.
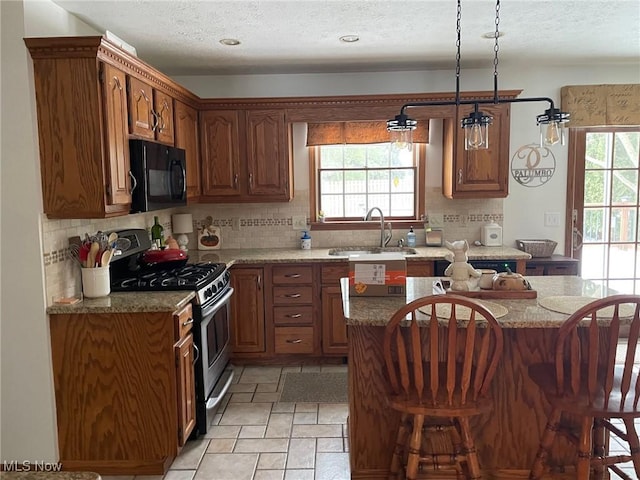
[463, 275]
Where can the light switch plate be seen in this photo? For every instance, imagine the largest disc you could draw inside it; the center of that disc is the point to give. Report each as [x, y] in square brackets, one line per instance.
[552, 219]
[436, 219]
[299, 222]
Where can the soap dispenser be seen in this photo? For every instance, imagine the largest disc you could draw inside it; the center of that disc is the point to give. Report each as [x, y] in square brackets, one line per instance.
[411, 238]
[305, 241]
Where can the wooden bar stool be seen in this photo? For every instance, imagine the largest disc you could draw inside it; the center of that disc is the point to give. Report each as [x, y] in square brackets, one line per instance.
[592, 388]
[439, 367]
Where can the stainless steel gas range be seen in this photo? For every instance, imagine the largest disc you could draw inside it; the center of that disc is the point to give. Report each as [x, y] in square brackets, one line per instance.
[211, 314]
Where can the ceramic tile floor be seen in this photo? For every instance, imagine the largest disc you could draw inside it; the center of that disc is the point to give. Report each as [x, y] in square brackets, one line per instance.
[254, 437]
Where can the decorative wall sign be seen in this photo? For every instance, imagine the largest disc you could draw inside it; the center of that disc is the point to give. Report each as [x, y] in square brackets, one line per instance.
[209, 238]
[533, 165]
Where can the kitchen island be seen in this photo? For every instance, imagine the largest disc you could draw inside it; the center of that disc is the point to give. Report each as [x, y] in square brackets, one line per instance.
[507, 438]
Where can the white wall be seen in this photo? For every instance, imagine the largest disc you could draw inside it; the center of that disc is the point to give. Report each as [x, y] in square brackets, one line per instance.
[27, 403]
[525, 207]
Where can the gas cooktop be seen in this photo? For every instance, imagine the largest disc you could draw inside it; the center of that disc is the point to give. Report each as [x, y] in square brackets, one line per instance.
[188, 277]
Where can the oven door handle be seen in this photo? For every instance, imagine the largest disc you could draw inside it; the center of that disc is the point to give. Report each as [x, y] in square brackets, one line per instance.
[197, 355]
[212, 308]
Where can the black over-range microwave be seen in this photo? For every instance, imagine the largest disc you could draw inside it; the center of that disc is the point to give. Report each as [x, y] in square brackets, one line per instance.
[159, 176]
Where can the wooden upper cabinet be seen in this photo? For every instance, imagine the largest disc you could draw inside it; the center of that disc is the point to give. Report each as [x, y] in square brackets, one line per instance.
[151, 112]
[220, 153]
[163, 107]
[82, 130]
[245, 156]
[186, 136]
[268, 164]
[477, 173]
[115, 102]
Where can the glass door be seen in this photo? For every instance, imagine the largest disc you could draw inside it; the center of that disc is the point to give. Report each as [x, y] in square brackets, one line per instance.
[604, 230]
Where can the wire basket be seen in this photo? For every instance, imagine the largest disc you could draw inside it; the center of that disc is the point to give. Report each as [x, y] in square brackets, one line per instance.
[537, 248]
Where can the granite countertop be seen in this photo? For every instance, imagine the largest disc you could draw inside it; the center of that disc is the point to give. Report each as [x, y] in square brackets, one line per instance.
[169, 301]
[522, 313]
[128, 302]
[291, 255]
[49, 475]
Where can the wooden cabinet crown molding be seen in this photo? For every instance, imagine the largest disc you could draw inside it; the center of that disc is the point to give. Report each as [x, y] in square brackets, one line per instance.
[106, 51]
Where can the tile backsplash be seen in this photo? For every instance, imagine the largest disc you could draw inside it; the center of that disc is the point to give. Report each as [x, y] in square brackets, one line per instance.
[257, 225]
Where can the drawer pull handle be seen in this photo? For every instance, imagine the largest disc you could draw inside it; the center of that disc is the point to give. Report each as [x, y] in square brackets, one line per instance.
[293, 295]
[294, 315]
[297, 340]
[188, 322]
[292, 275]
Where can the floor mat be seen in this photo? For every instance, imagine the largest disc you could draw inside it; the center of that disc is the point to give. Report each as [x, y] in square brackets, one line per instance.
[316, 387]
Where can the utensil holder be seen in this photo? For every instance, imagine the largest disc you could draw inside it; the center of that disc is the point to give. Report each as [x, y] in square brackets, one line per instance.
[96, 282]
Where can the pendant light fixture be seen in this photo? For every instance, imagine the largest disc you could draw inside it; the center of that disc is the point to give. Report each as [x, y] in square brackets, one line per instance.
[476, 125]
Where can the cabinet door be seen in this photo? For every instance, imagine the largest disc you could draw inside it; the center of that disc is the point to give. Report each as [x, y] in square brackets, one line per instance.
[220, 146]
[268, 164]
[247, 310]
[334, 327]
[186, 135]
[478, 173]
[117, 143]
[163, 106]
[142, 119]
[186, 388]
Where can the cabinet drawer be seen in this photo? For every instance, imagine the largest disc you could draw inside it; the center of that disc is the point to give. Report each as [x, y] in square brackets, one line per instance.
[333, 273]
[291, 274]
[302, 315]
[183, 321]
[562, 269]
[294, 340]
[535, 270]
[292, 295]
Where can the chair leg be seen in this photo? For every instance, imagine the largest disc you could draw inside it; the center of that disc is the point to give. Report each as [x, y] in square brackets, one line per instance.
[456, 443]
[634, 444]
[469, 449]
[599, 451]
[584, 448]
[401, 440]
[413, 460]
[548, 436]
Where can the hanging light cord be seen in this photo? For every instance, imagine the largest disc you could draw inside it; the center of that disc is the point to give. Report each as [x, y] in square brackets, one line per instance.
[496, 99]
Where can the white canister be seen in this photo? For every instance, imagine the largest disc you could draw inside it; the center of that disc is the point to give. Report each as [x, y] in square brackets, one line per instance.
[485, 282]
[96, 282]
[491, 235]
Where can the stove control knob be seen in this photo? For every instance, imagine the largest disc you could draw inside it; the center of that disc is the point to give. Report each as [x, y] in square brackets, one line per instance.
[208, 293]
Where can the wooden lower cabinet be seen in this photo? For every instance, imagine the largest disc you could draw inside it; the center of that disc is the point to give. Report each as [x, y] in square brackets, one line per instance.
[247, 311]
[124, 388]
[334, 327]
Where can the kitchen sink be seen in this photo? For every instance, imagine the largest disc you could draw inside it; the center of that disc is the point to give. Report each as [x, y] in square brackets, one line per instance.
[354, 251]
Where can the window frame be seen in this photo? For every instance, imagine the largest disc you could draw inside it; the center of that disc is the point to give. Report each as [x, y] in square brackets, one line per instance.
[420, 151]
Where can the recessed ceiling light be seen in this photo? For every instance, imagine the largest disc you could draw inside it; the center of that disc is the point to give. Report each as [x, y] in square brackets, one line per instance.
[492, 35]
[230, 42]
[349, 38]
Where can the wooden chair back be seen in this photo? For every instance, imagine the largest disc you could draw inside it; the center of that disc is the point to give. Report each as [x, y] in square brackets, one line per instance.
[446, 358]
[580, 366]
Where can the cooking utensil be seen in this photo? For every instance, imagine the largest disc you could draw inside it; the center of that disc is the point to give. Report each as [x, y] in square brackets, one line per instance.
[169, 257]
[107, 255]
[91, 256]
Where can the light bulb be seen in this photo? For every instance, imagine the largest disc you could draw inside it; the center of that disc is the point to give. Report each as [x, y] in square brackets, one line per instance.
[475, 137]
[552, 135]
[402, 140]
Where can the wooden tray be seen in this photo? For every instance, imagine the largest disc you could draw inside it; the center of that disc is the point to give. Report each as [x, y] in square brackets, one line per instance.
[488, 294]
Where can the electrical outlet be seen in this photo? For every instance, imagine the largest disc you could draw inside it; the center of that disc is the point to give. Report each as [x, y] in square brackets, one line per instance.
[235, 224]
[552, 219]
[299, 222]
[436, 220]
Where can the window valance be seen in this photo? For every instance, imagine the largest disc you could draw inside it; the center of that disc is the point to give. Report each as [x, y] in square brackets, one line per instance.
[602, 105]
[337, 133]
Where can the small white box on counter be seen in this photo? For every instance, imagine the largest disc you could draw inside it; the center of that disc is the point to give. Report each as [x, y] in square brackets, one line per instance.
[377, 275]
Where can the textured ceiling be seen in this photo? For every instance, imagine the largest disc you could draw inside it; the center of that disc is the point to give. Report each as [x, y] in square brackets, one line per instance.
[287, 36]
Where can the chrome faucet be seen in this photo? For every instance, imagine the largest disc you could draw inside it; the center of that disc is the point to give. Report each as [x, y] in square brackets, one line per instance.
[385, 237]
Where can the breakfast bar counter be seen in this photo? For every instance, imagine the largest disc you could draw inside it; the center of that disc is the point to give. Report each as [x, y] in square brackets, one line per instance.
[507, 438]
